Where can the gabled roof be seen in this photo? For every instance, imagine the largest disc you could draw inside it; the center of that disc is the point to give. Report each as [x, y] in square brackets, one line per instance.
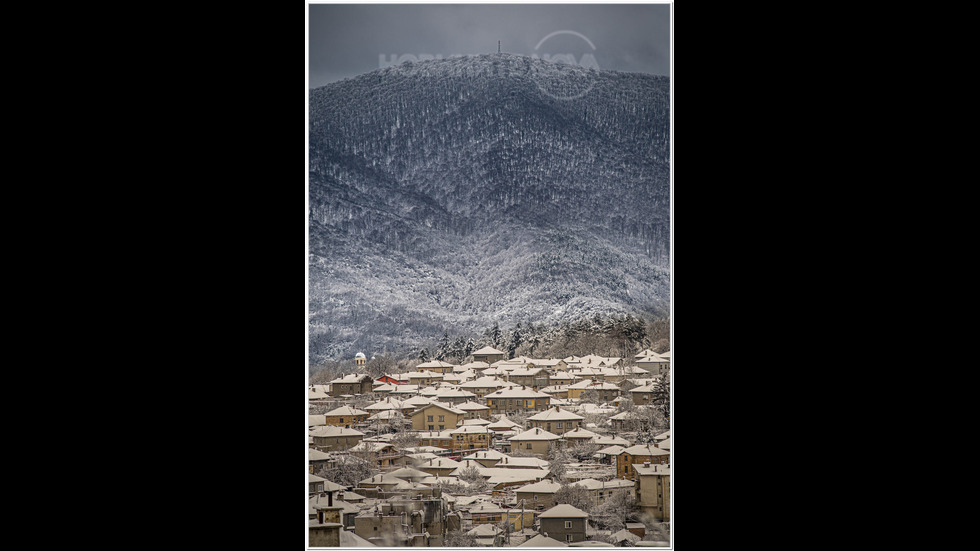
[540, 487]
[470, 429]
[645, 449]
[346, 410]
[503, 422]
[439, 405]
[564, 510]
[542, 540]
[579, 433]
[353, 378]
[516, 392]
[535, 434]
[556, 414]
[487, 350]
[593, 484]
[471, 406]
[329, 431]
[488, 454]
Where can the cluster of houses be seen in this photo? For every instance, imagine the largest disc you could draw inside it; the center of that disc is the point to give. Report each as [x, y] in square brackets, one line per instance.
[429, 433]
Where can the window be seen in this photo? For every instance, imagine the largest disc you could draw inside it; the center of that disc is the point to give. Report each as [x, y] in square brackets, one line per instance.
[568, 524]
[559, 424]
[429, 419]
[430, 426]
[528, 445]
[535, 497]
[442, 417]
[568, 537]
[441, 427]
[341, 419]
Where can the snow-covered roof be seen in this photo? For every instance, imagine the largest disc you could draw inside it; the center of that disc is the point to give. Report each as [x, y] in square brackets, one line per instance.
[556, 414]
[541, 487]
[515, 392]
[487, 350]
[593, 484]
[542, 540]
[346, 410]
[645, 449]
[580, 433]
[470, 405]
[564, 510]
[535, 434]
[329, 431]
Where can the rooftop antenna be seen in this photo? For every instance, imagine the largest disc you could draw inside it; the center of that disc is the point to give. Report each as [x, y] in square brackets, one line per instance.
[498, 46]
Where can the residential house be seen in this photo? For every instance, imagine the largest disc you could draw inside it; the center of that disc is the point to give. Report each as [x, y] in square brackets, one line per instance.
[352, 384]
[542, 540]
[345, 416]
[605, 391]
[602, 490]
[644, 395]
[555, 420]
[424, 378]
[556, 392]
[533, 377]
[640, 454]
[435, 366]
[437, 416]
[317, 459]
[503, 424]
[579, 436]
[436, 438]
[564, 522]
[318, 393]
[515, 399]
[383, 454]
[471, 437]
[653, 490]
[454, 396]
[539, 495]
[483, 385]
[488, 355]
[438, 466]
[537, 441]
[486, 458]
[485, 512]
[331, 438]
[473, 410]
[654, 364]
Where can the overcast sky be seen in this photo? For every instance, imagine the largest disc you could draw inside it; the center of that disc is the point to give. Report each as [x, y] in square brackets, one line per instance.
[346, 40]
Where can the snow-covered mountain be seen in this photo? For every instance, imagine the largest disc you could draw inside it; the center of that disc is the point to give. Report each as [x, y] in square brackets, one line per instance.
[447, 195]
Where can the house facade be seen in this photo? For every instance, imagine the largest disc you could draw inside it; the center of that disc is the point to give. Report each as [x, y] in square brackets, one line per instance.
[555, 420]
[345, 416]
[536, 441]
[646, 453]
[511, 400]
[331, 438]
[436, 417]
[564, 523]
[351, 385]
[653, 490]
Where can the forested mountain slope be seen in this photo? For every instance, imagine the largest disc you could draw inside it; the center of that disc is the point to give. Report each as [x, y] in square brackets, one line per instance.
[453, 194]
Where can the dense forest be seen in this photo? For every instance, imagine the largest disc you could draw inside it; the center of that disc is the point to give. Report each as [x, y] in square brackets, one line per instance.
[449, 195]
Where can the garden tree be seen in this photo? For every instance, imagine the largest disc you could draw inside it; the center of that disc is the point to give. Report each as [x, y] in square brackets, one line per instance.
[611, 514]
[576, 496]
[404, 437]
[496, 338]
[590, 396]
[379, 365]
[516, 339]
[558, 459]
[476, 483]
[459, 538]
[348, 470]
[661, 397]
[443, 350]
[583, 452]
